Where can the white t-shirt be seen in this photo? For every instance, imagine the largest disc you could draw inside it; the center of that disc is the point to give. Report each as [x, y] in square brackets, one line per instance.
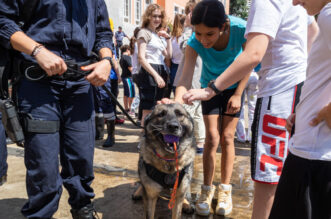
[154, 46]
[285, 61]
[135, 62]
[315, 142]
[177, 53]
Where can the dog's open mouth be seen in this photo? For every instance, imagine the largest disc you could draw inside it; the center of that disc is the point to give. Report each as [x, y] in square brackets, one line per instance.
[169, 141]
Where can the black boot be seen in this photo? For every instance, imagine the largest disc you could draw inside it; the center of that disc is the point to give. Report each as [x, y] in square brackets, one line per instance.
[86, 212]
[110, 141]
[99, 128]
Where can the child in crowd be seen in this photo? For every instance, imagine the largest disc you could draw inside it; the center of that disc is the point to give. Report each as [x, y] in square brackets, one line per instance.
[129, 89]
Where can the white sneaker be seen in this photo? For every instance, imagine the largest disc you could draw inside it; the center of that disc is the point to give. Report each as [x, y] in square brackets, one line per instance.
[224, 200]
[203, 205]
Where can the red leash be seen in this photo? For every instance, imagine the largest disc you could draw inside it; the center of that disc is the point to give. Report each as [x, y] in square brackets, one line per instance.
[174, 190]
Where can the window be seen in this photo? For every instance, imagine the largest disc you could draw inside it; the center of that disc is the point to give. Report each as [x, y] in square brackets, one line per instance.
[148, 2]
[127, 11]
[138, 11]
[176, 10]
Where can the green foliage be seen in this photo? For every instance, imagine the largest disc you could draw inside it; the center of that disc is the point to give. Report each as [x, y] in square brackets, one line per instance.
[239, 8]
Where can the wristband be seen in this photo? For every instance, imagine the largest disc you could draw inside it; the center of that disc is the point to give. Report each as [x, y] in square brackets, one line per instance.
[211, 85]
[110, 59]
[36, 50]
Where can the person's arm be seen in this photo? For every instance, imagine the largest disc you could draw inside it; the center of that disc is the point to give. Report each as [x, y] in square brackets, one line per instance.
[167, 53]
[116, 69]
[47, 60]
[234, 102]
[185, 81]
[102, 45]
[126, 36]
[323, 115]
[313, 31]
[130, 68]
[143, 62]
[256, 46]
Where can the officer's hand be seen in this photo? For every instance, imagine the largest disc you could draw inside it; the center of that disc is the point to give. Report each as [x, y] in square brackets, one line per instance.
[100, 72]
[50, 63]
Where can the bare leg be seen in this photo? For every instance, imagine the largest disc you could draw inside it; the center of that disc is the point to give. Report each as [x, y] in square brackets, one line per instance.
[229, 125]
[125, 101]
[263, 199]
[211, 144]
[130, 100]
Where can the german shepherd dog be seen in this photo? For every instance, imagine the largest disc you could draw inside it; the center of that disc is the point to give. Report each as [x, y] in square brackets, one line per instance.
[157, 163]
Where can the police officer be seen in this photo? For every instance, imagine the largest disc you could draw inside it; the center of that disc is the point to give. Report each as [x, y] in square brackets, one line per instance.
[58, 41]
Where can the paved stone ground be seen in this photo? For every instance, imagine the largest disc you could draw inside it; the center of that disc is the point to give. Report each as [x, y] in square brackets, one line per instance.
[115, 181]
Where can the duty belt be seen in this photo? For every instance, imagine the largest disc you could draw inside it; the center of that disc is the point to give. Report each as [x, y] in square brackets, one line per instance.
[33, 72]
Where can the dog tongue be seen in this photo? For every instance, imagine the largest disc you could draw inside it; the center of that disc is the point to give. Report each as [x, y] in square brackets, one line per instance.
[170, 138]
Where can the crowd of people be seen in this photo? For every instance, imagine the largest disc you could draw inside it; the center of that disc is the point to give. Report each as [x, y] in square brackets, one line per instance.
[212, 63]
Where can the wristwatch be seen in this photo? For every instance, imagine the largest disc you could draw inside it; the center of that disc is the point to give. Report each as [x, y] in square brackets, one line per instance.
[110, 59]
[211, 85]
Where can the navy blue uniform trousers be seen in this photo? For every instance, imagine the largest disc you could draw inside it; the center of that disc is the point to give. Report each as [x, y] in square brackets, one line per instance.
[71, 103]
[3, 150]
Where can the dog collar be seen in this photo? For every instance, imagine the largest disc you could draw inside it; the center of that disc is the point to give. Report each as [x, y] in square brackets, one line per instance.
[163, 158]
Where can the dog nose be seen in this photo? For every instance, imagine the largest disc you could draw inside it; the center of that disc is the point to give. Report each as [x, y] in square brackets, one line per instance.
[173, 126]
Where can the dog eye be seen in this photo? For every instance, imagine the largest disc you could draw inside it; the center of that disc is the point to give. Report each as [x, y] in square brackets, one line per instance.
[161, 114]
[179, 113]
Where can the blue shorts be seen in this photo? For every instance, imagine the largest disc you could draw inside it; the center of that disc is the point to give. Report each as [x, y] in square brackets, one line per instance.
[129, 89]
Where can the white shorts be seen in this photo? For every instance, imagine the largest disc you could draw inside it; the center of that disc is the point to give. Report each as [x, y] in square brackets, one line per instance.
[269, 135]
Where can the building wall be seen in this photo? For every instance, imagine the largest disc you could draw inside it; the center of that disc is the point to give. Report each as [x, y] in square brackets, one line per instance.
[116, 12]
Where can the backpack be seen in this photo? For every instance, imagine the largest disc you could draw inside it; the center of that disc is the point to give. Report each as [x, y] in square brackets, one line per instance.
[10, 118]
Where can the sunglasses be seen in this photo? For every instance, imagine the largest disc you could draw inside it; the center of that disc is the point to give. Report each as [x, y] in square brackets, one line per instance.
[157, 16]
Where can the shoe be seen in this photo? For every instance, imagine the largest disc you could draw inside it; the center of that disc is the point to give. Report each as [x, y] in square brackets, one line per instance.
[99, 128]
[110, 141]
[203, 205]
[119, 121]
[224, 200]
[3, 179]
[132, 114]
[9, 141]
[86, 212]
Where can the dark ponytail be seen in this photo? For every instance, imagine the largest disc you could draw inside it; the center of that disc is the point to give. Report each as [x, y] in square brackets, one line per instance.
[210, 13]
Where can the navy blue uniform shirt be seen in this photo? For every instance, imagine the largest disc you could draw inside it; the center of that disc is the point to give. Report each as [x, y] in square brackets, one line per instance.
[72, 29]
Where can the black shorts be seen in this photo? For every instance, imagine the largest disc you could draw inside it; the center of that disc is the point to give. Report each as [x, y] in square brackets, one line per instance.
[304, 190]
[218, 104]
[148, 89]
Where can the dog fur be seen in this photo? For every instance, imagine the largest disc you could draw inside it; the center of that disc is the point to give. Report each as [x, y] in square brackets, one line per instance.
[170, 119]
